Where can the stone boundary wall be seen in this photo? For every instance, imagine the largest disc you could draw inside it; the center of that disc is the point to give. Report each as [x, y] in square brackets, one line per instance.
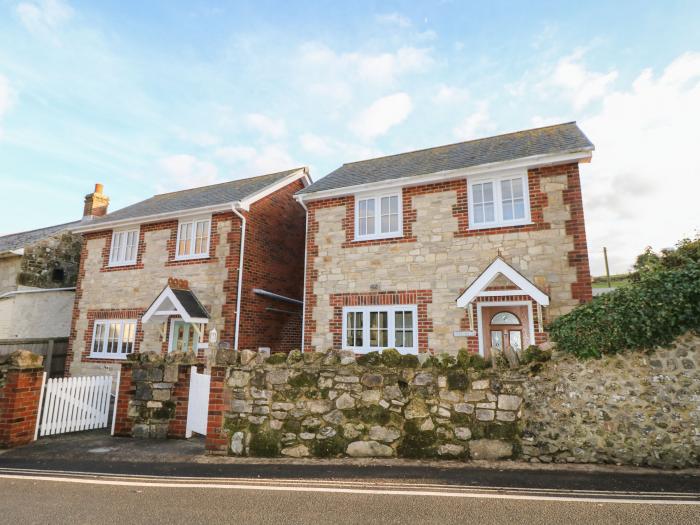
[21, 378]
[153, 395]
[388, 405]
[633, 408]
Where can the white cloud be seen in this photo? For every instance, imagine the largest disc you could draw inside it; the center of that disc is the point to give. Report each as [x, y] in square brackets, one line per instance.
[315, 144]
[449, 95]
[43, 16]
[186, 171]
[476, 124]
[6, 97]
[234, 154]
[249, 161]
[376, 68]
[580, 85]
[395, 19]
[538, 121]
[268, 126]
[382, 115]
[198, 138]
[643, 184]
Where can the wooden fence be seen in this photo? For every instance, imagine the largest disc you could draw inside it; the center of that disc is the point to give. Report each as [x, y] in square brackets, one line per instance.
[54, 351]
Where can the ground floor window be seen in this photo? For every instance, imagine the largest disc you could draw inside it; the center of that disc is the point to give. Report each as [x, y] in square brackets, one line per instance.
[371, 328]
[113, 338]
[184, 337]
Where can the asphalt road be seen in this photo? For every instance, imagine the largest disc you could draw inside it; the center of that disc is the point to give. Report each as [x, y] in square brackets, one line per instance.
[96, 500]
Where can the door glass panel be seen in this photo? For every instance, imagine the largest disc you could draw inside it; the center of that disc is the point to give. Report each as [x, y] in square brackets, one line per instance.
[185, 338]
[515, 340]
[497, 339]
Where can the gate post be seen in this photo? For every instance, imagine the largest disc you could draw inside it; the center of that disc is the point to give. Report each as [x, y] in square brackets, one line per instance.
[216, 442]
[181, 397]
[21, 382]
[123, 424]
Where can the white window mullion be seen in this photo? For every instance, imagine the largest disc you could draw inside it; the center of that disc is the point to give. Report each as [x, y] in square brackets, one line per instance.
[391, 338]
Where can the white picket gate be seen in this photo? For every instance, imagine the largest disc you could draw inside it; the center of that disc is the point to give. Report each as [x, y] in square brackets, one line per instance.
[198, 404]
[72, 404]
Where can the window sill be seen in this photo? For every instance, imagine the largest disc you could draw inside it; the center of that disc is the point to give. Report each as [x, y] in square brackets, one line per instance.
[378, 237]
[191, 257]
[402, 351]
[500, 225]
[121, 265]
[120, 357]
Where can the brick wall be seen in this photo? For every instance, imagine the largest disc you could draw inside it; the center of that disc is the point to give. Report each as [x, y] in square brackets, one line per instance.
[20, 390]
[439, 253]
[274, 261]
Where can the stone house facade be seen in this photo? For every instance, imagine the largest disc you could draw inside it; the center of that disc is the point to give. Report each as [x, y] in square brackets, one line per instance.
[38, 271]
[472, 245]
[221, 263]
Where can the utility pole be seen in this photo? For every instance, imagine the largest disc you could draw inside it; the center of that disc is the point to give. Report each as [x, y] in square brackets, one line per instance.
[607, 268]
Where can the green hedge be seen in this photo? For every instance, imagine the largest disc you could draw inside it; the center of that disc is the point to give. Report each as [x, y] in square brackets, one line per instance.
[651, 312]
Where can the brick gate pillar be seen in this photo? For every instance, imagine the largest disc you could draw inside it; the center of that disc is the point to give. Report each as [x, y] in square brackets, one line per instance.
[123, 424]
[21, 381]
[216, 442]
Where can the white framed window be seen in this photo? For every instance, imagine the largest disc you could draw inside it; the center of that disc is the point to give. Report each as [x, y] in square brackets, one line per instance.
[193, 238]
[499, 200]
[113, 338]
[373, 328]
[378, 216]
[125, 247]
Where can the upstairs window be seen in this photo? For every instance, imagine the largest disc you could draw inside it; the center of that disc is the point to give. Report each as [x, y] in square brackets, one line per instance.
[193, 238]
[113, 339]
[378, 217]
[124, 248]
[372, 328]
[499, 201]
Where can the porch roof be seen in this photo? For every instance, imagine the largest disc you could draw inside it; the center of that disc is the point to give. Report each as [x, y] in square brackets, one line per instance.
[175, 301]
[499, 266]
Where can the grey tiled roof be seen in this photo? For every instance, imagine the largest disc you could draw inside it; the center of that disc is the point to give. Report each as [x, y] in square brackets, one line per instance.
[191, 304]
[16, 241]
[204, 196]
[561, 138]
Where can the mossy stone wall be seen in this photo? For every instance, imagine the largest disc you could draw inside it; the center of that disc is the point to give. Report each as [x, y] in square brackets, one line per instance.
[380, 405]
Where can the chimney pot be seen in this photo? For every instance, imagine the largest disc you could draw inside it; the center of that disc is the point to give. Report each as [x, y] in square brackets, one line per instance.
[98, 187]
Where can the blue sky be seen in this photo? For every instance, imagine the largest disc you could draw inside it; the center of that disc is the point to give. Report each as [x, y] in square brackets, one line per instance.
[168, 95]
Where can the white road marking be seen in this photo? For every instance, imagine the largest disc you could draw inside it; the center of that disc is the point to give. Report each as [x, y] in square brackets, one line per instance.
[334, 490]
[339, 482]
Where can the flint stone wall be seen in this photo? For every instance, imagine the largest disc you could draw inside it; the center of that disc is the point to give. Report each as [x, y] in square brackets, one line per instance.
[633, 408]
[329, 405]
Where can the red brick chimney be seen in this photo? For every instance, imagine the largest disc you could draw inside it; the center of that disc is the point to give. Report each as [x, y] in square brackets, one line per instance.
[96, 203]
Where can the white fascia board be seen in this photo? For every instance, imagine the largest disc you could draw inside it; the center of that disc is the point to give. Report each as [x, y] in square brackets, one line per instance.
[147, 219]
[301, 173]
[462, 173]
[154, 309]
[496, 267]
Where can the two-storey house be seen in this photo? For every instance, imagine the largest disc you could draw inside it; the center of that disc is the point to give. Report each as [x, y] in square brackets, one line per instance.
[472, 245]
[180, 269]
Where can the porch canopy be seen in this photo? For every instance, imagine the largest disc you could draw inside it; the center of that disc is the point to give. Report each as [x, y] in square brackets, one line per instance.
[499, 267]
[178, 300]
